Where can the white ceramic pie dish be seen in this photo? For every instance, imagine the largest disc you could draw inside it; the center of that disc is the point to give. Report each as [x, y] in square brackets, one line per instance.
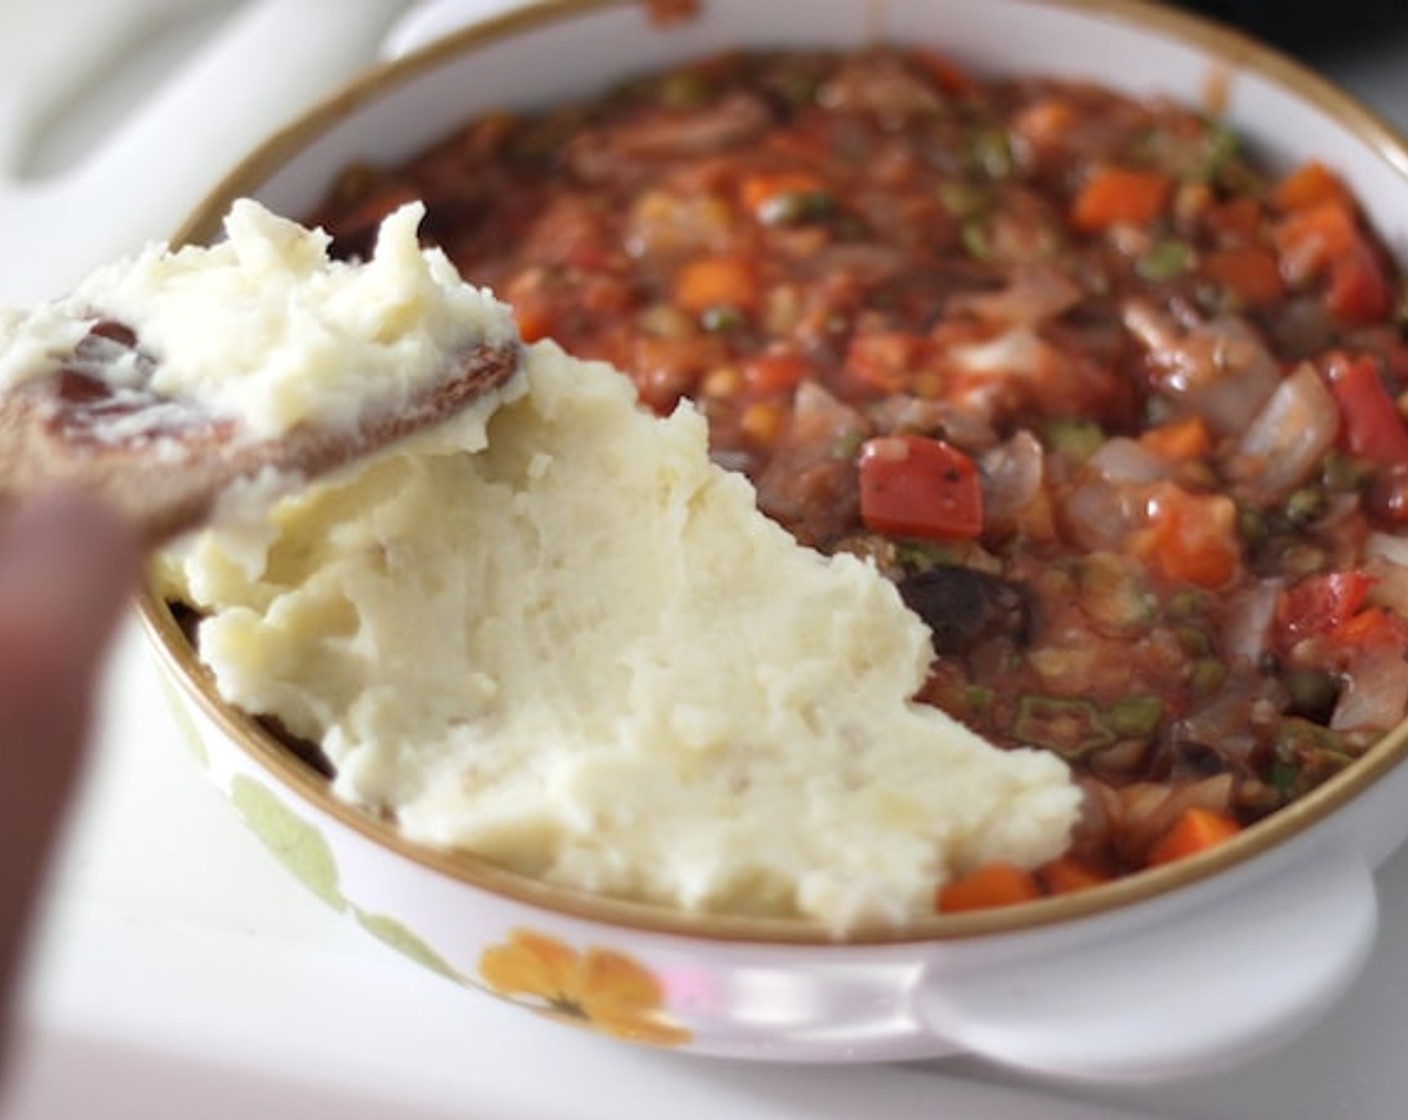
[1190, 966]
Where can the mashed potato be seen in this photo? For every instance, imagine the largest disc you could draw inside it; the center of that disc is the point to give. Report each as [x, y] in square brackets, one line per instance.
[577, 649]
[265, 328]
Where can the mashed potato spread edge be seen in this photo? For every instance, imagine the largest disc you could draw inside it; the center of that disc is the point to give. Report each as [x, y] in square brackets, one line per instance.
[577, 649]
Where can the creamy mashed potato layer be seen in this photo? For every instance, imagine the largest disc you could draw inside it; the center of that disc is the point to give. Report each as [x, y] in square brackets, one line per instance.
[573, 645]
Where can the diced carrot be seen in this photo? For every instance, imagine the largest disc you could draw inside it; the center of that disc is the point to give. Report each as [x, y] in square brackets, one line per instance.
[1249, 271]
[762, 421]
[1308, 185]
[722, 280]
[534, 309]
[1120, 196]
[771, 374]
[1179, 440]
[1189, 538]
[1196, 830]
[758, 190]
[1067, 874]
[992, 884]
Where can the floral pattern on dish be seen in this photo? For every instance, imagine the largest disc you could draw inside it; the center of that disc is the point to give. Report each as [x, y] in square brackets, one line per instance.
[298, 845]
[600, 989]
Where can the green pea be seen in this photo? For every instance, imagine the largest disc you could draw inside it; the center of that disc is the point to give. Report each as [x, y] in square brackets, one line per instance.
[1165, 261]
[1136, 717]
[1305, 505]
[1077, 437]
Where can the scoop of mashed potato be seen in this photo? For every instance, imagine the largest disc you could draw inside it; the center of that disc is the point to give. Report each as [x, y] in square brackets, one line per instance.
[577, 649]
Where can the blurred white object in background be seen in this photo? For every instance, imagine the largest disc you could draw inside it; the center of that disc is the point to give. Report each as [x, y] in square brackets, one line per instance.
[221, 95]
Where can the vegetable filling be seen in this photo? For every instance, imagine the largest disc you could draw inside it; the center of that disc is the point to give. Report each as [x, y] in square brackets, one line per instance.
[1119, 410]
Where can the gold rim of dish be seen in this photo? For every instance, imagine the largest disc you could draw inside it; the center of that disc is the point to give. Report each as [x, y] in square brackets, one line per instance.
[1224, 47]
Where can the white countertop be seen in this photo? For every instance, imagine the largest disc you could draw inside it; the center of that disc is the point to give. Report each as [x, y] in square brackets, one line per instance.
[181, 972]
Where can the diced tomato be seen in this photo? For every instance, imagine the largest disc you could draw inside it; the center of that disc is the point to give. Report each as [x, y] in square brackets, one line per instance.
[1372, 425]
[1250, 272]
[1189, 538]
[1320, 604]
[772, 374]
[1373, 630]
[912, 486]
[886, 361]
[1325, 240]
[1235, 221]
[1120, 196]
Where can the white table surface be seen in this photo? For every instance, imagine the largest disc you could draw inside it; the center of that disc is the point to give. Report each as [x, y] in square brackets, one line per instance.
[179, 972]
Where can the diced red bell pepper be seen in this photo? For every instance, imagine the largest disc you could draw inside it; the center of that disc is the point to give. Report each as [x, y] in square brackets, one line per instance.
[913, 486]
[1372, 425]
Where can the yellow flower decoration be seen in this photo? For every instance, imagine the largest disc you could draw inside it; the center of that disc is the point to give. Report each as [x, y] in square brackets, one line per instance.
[596, 988]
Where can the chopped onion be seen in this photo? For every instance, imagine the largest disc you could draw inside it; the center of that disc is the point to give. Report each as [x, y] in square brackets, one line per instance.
[1122, 459]
[1147, 810]
[1017, 351]
[968, 428]
[1386, 559]
[1223, 720]
[1246, 629]
[1034, 296]
[1375, 695]
[1099, 515]
[1011, 475]
[1220, 370]
[1283, 446]
[1387, 546]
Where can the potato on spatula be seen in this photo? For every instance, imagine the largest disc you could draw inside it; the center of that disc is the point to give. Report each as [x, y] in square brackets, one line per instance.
[164, 381]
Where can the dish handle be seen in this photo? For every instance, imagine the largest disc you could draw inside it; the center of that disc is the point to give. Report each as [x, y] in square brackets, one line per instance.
[1170, 991]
